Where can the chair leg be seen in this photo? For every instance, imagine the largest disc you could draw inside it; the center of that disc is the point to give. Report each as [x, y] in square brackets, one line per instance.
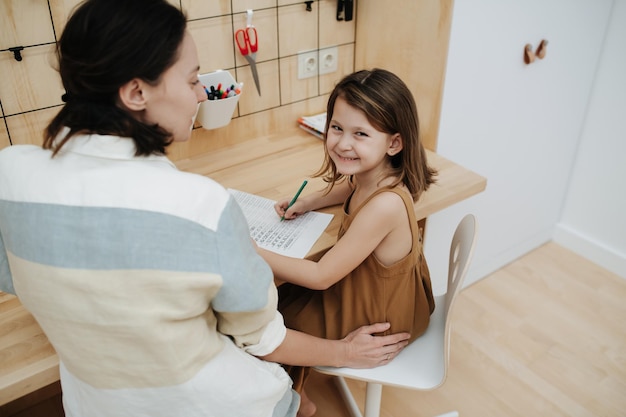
[373, 396]
[347, 397]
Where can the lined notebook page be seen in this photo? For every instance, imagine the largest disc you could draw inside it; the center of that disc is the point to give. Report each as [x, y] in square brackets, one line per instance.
[293, 238]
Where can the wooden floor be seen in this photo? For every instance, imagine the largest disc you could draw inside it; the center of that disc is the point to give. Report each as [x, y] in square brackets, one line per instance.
[543, 336]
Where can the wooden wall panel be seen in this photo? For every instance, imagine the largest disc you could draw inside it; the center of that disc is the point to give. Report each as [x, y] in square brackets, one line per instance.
[29, 84]
[410, 38]
[33, 85]
[4, 136]
[24, 23]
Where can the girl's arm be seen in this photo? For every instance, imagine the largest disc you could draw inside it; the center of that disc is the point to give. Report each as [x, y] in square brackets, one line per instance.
[375, 221]
[314, 201]
[357, 350]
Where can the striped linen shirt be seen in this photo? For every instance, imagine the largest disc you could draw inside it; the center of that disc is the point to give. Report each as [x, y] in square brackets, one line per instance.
[145, 281]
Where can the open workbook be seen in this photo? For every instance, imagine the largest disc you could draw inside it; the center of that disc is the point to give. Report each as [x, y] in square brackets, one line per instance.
[293, 238]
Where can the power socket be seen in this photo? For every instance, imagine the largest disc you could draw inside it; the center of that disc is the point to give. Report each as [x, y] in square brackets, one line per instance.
[328, 60]
[307, 64]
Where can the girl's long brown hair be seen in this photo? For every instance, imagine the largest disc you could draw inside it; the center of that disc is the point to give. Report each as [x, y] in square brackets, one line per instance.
[389, 107]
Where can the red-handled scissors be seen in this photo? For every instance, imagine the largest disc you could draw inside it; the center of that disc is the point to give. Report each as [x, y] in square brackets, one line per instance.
[247, 40]
[248, 44]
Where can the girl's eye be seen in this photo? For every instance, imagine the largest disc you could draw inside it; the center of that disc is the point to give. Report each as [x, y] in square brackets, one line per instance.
[335, 127]
[361, 134]
[195, 82]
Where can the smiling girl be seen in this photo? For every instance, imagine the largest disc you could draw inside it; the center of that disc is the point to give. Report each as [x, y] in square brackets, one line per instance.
[375, 164]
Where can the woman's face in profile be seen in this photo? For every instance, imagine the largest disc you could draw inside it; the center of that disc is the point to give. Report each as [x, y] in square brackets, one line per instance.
[173, 102]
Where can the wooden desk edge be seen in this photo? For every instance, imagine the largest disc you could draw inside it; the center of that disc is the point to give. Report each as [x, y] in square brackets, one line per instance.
[29, 379]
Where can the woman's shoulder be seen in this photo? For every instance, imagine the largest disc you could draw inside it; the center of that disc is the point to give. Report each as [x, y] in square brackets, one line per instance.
[196, 187]
[201, 182]
[22, 157]
[26, 149]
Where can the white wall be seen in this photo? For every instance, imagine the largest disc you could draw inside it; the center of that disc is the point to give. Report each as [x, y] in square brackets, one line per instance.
[518, 125]
[593, 222]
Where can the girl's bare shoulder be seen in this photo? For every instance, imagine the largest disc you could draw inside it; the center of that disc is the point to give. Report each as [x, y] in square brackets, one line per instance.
[386, 203]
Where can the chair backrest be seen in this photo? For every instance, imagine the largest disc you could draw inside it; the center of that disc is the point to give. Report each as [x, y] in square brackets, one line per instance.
[461, 252]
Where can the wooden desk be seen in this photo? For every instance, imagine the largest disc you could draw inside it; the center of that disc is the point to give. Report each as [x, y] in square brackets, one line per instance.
[273, 167]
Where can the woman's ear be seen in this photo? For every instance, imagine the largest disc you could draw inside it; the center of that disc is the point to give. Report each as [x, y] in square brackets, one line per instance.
[132, 95]
[395, 146]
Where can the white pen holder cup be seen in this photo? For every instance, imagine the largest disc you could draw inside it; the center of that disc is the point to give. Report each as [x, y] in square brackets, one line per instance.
[217, 113]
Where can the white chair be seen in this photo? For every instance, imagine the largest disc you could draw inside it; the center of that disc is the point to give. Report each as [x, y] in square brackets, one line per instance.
[423, 364]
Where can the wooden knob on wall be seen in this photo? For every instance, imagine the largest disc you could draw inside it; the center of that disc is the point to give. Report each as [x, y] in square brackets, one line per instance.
[541, 49]
[530, 55]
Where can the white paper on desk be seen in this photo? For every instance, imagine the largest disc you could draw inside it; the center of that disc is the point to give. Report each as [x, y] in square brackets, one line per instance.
[293, 238]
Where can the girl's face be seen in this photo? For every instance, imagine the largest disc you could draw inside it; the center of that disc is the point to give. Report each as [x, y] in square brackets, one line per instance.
[355, 146]
[174, 101]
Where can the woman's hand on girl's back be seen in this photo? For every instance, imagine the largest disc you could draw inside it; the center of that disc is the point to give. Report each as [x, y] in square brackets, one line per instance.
[366, 349]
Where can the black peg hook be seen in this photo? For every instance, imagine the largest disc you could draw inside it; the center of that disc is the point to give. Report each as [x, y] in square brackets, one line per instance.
[308, 5]
[345, 10]
[17, 52]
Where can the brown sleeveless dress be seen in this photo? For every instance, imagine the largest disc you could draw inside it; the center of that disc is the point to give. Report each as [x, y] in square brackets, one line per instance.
[400, 294]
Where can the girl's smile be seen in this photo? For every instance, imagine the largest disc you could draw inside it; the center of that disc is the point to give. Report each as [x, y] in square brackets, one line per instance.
[345, 158]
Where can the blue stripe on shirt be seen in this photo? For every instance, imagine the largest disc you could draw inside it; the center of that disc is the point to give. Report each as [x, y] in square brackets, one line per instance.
[6, 281]
[106, 238]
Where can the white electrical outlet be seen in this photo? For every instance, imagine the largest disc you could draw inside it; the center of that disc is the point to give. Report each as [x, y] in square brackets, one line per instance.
[307, 64]
[328, 60]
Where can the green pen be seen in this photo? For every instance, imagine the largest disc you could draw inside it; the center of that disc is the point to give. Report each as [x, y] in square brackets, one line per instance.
[295, 197]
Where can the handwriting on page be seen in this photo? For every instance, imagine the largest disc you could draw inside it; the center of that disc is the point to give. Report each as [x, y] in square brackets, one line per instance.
[290, 237]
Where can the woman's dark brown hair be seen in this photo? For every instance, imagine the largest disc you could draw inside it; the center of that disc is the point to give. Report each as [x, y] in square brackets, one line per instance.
[105, 44]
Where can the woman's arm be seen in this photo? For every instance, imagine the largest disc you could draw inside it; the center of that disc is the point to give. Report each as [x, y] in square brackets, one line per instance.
[360, 349]
[368, 229]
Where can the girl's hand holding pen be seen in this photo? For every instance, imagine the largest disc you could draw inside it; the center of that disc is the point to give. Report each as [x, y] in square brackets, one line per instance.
[285, 207]
[290, 212]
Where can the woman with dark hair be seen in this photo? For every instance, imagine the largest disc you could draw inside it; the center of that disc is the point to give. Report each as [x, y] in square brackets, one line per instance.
[144, 278]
